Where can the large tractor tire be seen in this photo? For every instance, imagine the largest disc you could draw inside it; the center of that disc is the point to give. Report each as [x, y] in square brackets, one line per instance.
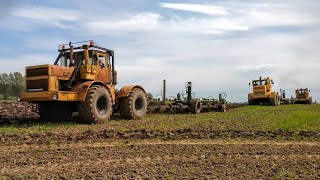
[97, 107]
[195, 106]
[133, 106]
[55, 111]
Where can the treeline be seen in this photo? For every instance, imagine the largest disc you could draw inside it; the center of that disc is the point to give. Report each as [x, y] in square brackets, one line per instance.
[11, 84]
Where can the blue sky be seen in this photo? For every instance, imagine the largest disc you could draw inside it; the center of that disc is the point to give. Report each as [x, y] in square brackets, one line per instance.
[218, 45]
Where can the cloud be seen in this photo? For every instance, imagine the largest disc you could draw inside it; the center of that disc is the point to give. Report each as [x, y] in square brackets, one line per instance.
[138, 22]
[217, 52]
[198, 8]
[20, 62]
[48, 16]
[6, 7]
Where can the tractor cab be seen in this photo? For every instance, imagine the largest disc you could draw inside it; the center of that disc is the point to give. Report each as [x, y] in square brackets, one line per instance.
[89, 62]
[302, 93]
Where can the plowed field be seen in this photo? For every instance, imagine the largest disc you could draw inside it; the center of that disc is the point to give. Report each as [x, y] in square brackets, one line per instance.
[244, 143]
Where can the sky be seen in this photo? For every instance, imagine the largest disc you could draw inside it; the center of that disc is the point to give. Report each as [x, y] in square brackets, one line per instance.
[218, 45]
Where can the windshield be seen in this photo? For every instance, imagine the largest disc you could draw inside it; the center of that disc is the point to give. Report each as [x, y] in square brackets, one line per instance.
[259, 83]
[78, 56]
[65, 59]
[301, 91]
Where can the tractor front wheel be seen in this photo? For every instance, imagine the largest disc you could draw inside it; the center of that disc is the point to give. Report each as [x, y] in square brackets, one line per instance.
[97, 107]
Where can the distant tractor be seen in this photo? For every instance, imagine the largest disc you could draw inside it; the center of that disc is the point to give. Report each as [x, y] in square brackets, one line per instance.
[302, 97]
[82, 79]
[262, 93]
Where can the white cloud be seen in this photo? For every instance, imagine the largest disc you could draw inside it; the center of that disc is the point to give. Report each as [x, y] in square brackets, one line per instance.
[48, 16]
[217, 52]
[259, 67]
[199, 8]
[138, 22]
[20, 62]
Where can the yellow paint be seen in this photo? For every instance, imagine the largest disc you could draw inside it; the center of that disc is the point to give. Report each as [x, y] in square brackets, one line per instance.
[262, 91]
[47, 96]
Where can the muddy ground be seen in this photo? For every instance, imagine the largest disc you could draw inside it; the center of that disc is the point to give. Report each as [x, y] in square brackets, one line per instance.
[22, 112]
[104, 153]
[180, 154]
[156, 159]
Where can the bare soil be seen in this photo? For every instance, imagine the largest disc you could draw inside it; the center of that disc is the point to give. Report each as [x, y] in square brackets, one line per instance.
[155, 159]
[100, 152]
[14, 112]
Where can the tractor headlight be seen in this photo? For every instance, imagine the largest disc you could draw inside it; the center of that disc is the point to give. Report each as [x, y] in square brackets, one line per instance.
[55, 97]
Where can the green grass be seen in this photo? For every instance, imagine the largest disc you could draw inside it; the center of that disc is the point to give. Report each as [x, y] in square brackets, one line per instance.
[8, 100]
[248, 118]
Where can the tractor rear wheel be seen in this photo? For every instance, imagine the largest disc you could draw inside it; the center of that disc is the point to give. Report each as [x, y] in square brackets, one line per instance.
[97, 107]
[195, 106]
[133, 106]
[55, 111]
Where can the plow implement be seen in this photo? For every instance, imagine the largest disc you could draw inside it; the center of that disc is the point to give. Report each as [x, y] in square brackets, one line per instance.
[186, 103]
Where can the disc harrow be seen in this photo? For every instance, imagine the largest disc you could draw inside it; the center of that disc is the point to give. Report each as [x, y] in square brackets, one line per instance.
[186, 102]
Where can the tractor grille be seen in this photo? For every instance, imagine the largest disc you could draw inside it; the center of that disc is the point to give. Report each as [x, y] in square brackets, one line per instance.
[37, 85]
[37, 72]
[259, 91]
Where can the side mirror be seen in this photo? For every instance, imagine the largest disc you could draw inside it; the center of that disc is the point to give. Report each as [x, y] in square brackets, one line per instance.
[249, 84]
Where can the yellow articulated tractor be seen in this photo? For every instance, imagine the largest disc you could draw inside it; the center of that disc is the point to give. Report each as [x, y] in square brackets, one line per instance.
[82, 79]
[262, 93]
[302, 97]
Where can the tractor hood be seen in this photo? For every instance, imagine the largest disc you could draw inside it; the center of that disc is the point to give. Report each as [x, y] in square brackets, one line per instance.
[49, 70]
[46, 77]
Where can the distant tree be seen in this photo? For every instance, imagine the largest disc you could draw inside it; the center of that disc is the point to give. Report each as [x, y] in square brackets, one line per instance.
[16, 83]
[149, 96]
[4, 85]
[11, 84]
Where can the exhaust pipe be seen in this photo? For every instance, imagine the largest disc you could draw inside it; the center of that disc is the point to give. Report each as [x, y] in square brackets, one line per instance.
[164, 91]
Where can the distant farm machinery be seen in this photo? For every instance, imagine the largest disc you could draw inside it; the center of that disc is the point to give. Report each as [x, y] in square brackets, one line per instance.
[186, 102]
[302, 96]
[283, 99]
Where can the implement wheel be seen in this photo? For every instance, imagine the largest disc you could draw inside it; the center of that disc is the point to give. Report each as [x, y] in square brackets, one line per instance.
[97, 107]
[222, 108]
[195, 107]
[133, 106]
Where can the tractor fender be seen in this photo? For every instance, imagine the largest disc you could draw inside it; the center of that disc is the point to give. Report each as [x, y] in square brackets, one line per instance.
[125, 91]
[83, 88]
